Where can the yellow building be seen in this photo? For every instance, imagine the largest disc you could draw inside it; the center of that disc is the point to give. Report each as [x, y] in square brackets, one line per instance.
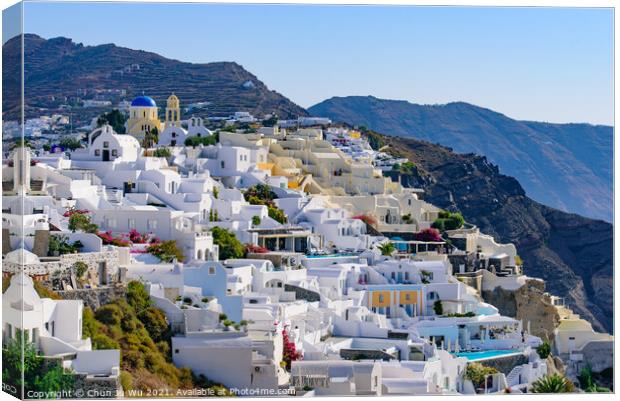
[173, 112]
[386, 300]
[143, 117]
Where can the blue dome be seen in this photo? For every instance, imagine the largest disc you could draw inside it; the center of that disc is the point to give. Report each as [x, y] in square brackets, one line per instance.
[143, 101]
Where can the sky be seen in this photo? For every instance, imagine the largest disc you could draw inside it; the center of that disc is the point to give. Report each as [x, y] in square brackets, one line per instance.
[543, 64]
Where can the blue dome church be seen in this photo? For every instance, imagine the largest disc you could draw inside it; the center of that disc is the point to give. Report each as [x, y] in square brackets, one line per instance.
[142, 117]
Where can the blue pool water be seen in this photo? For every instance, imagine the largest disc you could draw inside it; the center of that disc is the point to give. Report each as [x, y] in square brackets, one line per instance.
[330, 256]
[479, 355]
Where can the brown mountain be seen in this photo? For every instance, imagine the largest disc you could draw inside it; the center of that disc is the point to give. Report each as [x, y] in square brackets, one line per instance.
[573, 254]
[59, 68]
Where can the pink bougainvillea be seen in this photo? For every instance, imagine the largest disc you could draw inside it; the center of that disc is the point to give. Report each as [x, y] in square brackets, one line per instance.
[289, 353]
[370, 220]
[428, 235]
[256, 249]
[109, 239]
[73, 211]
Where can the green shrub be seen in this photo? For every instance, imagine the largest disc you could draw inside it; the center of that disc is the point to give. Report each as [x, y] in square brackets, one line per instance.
[477, 373]
[137, 296]
[544, 350]
[166, 251]
[555, 383]
[80, 269]
[101, 341]
[438, 308]
[109, 314]
[162, 152]
[126, 381]
[154, 321]
[229, 246]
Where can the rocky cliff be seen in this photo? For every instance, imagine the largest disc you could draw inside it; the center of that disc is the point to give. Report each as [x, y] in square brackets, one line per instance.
[573, 254]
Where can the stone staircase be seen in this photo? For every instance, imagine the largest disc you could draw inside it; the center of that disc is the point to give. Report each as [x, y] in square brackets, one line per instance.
[514, 377]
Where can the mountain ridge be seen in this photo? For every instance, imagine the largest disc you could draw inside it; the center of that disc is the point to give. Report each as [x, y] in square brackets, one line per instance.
[567, 166]
[56, 69]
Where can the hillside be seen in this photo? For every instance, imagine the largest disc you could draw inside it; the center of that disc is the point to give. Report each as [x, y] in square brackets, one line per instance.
[566, 166]
[58, 68]
[573, 254]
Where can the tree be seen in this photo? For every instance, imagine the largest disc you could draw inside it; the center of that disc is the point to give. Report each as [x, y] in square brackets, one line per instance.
[555, 383]
[448, 221]
[438, 308]
[271, 121]
[387, 248]
[194, 141]
[256, 221]
[150, 138]
[22, 366]
[230, 247]
[544, 350]
[70, 143]
[262, 194]
[166, 251]
[114, 118]
[82, 222]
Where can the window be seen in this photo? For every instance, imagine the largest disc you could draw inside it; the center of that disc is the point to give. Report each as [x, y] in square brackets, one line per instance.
[408, 297]
[106, 144]
[131, 223]
[151, 224]
[406, 275]
[381, 298]
[114, 152]
[176, 351]
[211, 270]
[174, 134]
[111, 223]
[222, 164]
[97, 152]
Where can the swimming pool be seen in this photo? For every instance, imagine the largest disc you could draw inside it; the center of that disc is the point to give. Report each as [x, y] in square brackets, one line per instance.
[479, 355]
[333, 255]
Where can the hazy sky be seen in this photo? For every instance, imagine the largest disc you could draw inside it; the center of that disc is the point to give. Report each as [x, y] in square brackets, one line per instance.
[546, 64]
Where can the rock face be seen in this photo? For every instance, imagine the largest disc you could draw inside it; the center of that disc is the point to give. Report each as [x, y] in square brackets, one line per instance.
[573, 254]
[528, 304]
[59, 68]
[566, 166]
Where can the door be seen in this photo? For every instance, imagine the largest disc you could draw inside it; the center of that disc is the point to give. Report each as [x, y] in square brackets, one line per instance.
[105, 155]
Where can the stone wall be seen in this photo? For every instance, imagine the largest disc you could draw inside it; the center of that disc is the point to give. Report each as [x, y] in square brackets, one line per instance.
[95, 297]
[528, 303]
[599, 355]
[358, 354]
[302, 293]
[63, 263]
[97, 387]
[505, 364]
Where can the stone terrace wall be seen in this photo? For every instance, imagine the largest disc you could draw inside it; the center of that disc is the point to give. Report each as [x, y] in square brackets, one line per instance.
[506, 364]
[95, 297]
